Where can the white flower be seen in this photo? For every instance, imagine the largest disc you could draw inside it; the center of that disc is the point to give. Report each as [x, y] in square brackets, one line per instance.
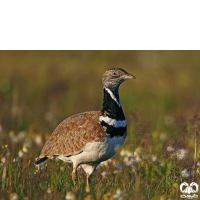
[185, 173]
[3, 160]
[170, 148]
[118, 194]
[14, 196]
[181, 153]
[126, 153]
[15, 160]
[162, 164]
[138, 159]
[104, 173]
[128, 161]
[20, 153]
[49, 191]
[70, 196]
[25, 149]
[138, 150]
[123, 152]
[21, 135]
[136, 153]
[38, 140]
[163, 136]
[153, 158]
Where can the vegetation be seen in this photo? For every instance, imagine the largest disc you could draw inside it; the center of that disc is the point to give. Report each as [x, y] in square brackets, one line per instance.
[38, 89]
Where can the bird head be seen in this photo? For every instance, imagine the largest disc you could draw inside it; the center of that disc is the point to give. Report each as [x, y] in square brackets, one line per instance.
[113, 77]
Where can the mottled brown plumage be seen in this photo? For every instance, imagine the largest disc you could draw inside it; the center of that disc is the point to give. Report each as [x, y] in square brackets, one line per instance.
[72, 134]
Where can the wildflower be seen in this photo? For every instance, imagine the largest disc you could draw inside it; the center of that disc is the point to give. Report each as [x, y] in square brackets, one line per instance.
[129, 154]
[14, 196]
[137, 158]
[162, 164]
[128, 161]
[185, 173]
[104, 173]
[70, 196]
[25, 149]
[126, 153]
[49, 190]
[181, 153]
[13, 137]
[36, 171]
[118, 194]
[153, 158]
[138, 150]
[170, 148]
[7, 153]
[135, 153]
[38, 140]
[163, 136]
[20, 153]
[16, 160]
[123, 152]
[3, 160]
[198, 164]
[21, 135]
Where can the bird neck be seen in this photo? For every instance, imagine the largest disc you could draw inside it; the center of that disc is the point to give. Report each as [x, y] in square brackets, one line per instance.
[112, 116]
[111, 104]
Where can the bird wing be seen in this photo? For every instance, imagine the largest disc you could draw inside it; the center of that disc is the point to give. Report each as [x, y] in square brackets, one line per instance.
[71, 135]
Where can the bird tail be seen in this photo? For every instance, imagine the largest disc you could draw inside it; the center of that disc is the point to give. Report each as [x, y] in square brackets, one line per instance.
[40, 160]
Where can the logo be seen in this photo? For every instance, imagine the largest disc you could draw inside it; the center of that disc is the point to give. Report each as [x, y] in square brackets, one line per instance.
[189, 190]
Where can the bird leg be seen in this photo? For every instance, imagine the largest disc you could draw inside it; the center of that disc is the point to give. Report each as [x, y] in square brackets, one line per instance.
[88, 179]
[87, 188]
[74, 176]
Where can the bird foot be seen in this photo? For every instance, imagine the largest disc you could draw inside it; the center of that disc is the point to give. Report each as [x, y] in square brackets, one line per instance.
[87, 188]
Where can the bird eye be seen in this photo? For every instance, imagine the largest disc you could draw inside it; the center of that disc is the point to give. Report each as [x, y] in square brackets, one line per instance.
[114, 73]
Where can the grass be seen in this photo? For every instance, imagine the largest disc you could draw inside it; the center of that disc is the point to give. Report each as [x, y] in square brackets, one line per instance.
[38, 89]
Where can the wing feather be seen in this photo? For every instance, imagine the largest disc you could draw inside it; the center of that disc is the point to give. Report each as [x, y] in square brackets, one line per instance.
[71, 135]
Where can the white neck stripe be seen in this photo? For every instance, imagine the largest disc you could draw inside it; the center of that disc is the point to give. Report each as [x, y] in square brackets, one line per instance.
[112, 96]
[113, 122]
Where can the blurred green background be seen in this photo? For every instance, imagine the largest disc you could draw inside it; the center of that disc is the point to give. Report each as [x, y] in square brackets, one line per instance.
[38, 89]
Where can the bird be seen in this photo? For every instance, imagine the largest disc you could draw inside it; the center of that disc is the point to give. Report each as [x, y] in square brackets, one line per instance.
[89, 138]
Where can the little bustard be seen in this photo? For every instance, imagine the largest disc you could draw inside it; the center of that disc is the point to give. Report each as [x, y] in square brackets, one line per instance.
[89, 138]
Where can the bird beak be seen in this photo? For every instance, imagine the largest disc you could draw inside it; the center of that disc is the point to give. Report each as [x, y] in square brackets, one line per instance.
[128, 76]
